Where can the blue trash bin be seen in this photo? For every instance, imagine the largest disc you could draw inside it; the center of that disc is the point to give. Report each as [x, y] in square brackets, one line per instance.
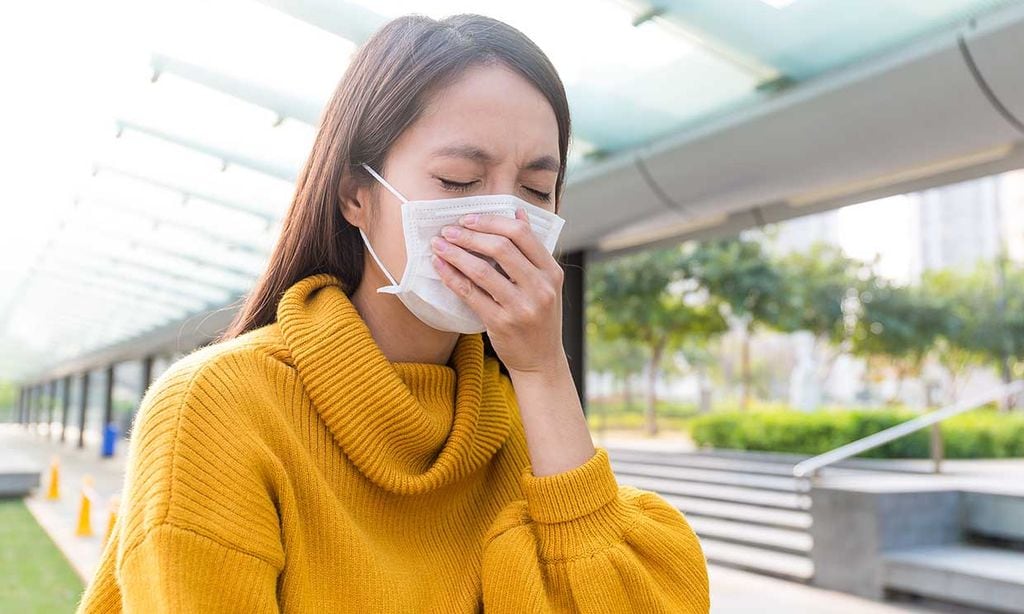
[109, 438]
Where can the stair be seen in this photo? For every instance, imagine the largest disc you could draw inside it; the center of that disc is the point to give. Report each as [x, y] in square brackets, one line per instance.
[749, 514]
[985, 570]
[980, 576]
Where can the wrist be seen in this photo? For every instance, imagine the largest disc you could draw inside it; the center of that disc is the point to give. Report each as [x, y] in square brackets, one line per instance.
[552, 370]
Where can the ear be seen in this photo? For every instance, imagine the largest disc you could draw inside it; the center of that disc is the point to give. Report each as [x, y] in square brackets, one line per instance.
[353, 200]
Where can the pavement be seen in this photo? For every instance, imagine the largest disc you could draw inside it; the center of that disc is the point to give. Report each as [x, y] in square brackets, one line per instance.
[732, 591]
[59, 518]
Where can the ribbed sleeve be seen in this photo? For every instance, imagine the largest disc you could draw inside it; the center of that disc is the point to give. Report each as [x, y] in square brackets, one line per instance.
[197, 529]
[180, 571]
[580, 542]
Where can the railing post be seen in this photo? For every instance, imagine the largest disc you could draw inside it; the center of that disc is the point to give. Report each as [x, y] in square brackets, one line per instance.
[936, 447]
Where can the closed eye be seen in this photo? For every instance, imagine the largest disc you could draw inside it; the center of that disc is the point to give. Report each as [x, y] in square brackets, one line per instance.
[544, 196]
[456, 186]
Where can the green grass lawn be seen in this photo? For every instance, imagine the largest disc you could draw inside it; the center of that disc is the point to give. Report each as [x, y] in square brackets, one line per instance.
[34, 575]
[616, 416]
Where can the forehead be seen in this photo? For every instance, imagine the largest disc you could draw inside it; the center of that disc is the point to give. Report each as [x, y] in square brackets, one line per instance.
[492, 107]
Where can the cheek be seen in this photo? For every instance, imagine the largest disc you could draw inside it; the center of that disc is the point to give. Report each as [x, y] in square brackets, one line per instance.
[388, 240]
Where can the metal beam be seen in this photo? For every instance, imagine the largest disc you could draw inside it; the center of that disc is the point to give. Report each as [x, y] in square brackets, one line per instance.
[180, 283]
[96, 281]
[351, 21]
[212, 238]
[105, 258]
[279, 102]
[287, 173]
[267, 216]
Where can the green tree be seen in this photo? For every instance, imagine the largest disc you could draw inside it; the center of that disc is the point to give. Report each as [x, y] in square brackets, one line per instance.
[900, 324]
[818, 285]
[646, 298]
[984, 331]
[970, 304]
[740, 273]
[618, 356]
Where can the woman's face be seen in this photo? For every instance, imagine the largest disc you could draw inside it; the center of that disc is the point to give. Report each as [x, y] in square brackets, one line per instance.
[490, 132]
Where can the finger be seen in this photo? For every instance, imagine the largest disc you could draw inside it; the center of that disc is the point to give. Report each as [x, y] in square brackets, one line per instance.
[518, 230]
[478, 300]
[499, 247]
[478, 270]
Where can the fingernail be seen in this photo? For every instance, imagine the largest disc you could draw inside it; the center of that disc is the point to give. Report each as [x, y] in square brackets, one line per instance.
[438, 243]
[469, 220]
[451, 232]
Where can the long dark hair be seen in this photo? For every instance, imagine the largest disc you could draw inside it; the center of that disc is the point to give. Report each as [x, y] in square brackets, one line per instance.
[383, 91]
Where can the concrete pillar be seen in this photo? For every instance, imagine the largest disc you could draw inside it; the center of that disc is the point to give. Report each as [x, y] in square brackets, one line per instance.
[574, 318]
[84, 403]
[51, 404]
[65, 406]
[20, 410]
[28, 407]
[108, 405]
[37, 404]
[852, 526]
[144, 381]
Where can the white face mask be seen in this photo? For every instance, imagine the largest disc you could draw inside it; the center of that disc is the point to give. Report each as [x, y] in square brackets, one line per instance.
[421, 290]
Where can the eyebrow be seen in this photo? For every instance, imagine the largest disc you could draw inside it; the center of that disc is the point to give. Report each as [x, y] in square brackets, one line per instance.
[472, 152]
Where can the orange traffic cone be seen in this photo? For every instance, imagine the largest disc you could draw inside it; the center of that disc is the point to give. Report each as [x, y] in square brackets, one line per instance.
[53, 492]
[112, 504]
[88, 494]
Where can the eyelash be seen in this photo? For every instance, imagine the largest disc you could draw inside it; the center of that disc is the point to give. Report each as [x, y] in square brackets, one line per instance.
[462, 187]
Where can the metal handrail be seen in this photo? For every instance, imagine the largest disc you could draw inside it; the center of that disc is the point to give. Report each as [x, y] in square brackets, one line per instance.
[814, 464]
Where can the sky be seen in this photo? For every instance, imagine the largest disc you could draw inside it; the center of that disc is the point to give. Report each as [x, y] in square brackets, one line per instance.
[883, 228]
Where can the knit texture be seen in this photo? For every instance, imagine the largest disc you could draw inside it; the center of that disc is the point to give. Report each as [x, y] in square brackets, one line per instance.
[296, 469]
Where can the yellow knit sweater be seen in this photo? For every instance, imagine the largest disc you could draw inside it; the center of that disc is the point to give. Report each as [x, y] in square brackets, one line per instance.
[296, 469]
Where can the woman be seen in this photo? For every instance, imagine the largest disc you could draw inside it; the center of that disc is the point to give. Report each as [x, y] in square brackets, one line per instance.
[335, 453]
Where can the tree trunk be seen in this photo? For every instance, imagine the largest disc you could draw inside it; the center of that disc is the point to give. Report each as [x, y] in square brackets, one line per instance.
[627, 392]
[895, 398]
[705, 391]
[650, 415]
[745, 377]
[1006, 403]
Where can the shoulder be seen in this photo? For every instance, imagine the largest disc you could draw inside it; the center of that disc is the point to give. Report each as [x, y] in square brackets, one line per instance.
[195, 458]
[223, 376]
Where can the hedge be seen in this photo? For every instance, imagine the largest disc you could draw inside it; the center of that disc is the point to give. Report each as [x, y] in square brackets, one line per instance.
[983, 433]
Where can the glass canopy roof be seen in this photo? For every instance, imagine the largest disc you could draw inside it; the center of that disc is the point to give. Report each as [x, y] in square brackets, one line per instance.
[151, 148]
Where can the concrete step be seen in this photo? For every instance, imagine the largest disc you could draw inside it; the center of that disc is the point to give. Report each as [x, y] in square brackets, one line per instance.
[994, 515]
[710, 476]
[978, 576]
[768, 538]
[898, 465]
[767, 562]
[734, 494]
[19, 474]
[700, 461]
[750, 514]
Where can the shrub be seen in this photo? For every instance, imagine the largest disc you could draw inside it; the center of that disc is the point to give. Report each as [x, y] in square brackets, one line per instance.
[983, 433]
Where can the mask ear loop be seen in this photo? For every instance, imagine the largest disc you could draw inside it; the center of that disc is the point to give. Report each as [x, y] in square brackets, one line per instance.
[394, 287]
[386, 184]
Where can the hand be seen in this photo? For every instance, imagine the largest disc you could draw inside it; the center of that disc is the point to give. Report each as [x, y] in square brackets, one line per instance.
[523, 311]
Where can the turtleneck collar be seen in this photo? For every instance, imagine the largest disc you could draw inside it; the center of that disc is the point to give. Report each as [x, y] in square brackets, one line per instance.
[410, 427]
